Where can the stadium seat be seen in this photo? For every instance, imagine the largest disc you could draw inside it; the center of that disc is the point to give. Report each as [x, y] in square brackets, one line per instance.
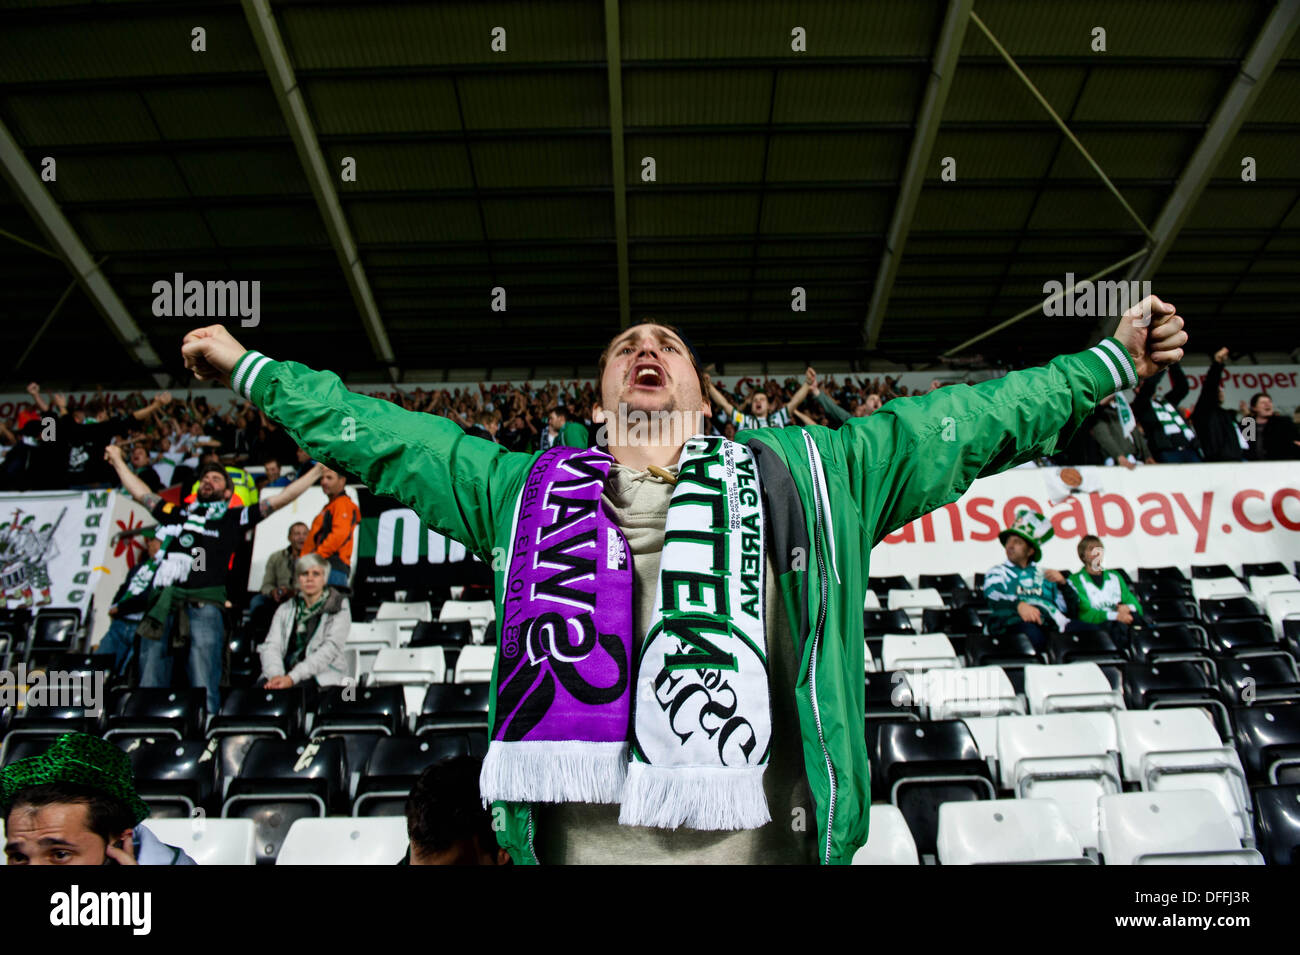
[918, 652]
[1268, 739]
[1007, 831]
[280, 713]
[454, 706]
[915, 600]
[1272, 568]
[1061, 756]
[1180, 749]
[38, 720]
[1095, 646]
[1003, 649]
[475, 663]
[1171, 641]
[1166, 610]
[480, 613]
[1282, 607]
[1245, 637]
[1217, 588]
[363, 709]
[54, 629]
[1161, 588]
[407, 665]
[1187, 827]
[889, 841]
[209, 841]
[394, 610]
[946, 694]
[926, 764]
[878, 623]
[1264, 678]
[1277, 823]
[394, 766]
[175, 777]
[1261, 587]
[889, 697]
[378, 841]
[1214, 609]
[871, 601]
[1059, 688]
[881, 586]
[159, 712]
[1160, 573]
[950, 620]
[1212, 572]
[944, 583]
[1177, 683]
[282, 781]
[442, 633]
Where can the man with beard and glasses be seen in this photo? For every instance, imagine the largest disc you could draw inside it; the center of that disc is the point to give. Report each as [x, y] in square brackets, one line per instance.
[679, 672]
[187, 596]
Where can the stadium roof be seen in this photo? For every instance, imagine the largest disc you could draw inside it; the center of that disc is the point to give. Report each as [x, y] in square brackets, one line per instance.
[773, 169]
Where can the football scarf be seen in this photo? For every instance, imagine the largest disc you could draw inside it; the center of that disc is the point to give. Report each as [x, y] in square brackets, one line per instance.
[678, 730]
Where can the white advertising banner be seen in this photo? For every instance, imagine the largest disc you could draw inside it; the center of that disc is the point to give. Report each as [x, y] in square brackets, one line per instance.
[272, 533]
[1179, 514]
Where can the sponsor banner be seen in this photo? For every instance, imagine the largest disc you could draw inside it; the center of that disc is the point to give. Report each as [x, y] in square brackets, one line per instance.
[272, 532]
[57, 549]
[1180, 514]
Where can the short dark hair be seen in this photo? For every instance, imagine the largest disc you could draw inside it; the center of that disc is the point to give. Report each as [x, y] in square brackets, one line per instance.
[562, 411]
[217, 469]
[1254, 399]
[106, 816]
[1087, 542]
[444, 807]
[271, 459]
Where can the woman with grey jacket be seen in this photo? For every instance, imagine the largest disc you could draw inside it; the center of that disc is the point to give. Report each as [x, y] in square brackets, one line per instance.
[308, 632]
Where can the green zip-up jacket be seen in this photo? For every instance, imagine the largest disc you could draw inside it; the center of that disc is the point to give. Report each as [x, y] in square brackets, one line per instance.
[830, 496]
[1099, 603]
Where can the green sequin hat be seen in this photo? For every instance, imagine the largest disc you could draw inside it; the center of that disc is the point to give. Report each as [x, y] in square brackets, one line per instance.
[76, 758]
[1031, 527]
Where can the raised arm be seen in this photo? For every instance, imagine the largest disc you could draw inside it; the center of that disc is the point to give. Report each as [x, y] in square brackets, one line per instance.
[1208, 400]
[159, 400]
[797, 398]
[291, 491]
[719, 397]
[34, 390]
[917, 454]
[456, 483]
[130, 482]
[1178, 386]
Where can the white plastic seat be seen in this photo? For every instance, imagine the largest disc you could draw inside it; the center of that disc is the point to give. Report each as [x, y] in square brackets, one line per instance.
[871, 601]
[1064, 687]
[969, 691]
[1059, 756]
[479, 613]
[410, 665]
[209, 841]
[345, 840]
[1217, 587]
[921, 651]
[475, 663]
[1282, 605]
[393, 610]
[375, 635]
[1261, 587]
[868, 661]
[1007, 831]
[909, 600]
[1179, 748]
[1187, 826]
[985, 731]
[889, 841]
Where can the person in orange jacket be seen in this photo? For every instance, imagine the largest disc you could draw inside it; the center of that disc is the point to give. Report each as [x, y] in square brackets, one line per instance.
[331, 531]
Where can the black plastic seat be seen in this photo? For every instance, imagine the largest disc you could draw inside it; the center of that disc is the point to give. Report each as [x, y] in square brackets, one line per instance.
[1165, 610]
[175, 777]
[442, 633]
[1178, 683]
[361, 709]
[1214, 609]
[1272, 568]
[282, 781]
[1211, 572]
[926, 764]
[1243, 636]
[15, 748]
[961, 620]
[878, 623]
[1002, 649]
[63, 666]
[37, 720]
[1291, 635]
[1268, 741]
[1277, 823]
[1259, 678]
[54, 629]
[889, 697]
[944, 583]
[454, 706]
[1165, 573]
[881, 586]
[159, 712]
[394, 766]
[263, 712]
[1169, 588]
[1175, 640]
[1094, 646]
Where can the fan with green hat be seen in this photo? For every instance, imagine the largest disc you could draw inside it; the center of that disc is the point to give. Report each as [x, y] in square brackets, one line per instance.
[80, 759]
[1031, 527]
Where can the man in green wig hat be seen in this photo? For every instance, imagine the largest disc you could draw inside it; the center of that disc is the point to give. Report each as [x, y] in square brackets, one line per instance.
[76, 804]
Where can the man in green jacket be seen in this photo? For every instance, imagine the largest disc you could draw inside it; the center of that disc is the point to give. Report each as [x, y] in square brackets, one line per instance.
[828, 498]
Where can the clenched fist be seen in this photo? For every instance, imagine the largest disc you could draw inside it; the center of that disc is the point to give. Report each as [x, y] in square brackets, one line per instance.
[211, 352]
[1152, 331]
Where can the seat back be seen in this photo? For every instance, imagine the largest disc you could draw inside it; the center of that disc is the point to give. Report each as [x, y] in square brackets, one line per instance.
[442, 633]
[281, 711]
[889, 841]
[1211, 572]
[394, 610]
[209, 841]
[179, 772]
[475, 663]
[1277, 823]
[877, 623]
[1272, 568]
[1006, 831]
[456, 703]
[140, 709]
[1268, 739]
[380, 840]
[1061, 687]
[1134, 825]
[409, 665]
[55, 629]
[378, 708]
[951, 620]
[1214, 609]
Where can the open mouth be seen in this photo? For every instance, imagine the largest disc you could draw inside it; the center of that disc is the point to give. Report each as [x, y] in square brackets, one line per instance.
[648, 376]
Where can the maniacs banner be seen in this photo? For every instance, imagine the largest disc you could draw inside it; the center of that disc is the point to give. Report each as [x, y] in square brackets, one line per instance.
[1157, 515]
[54, 547]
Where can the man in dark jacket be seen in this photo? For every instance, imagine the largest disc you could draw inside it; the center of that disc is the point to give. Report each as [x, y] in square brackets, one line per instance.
[1274, 435]
[1216, 426]
[1169, 436]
